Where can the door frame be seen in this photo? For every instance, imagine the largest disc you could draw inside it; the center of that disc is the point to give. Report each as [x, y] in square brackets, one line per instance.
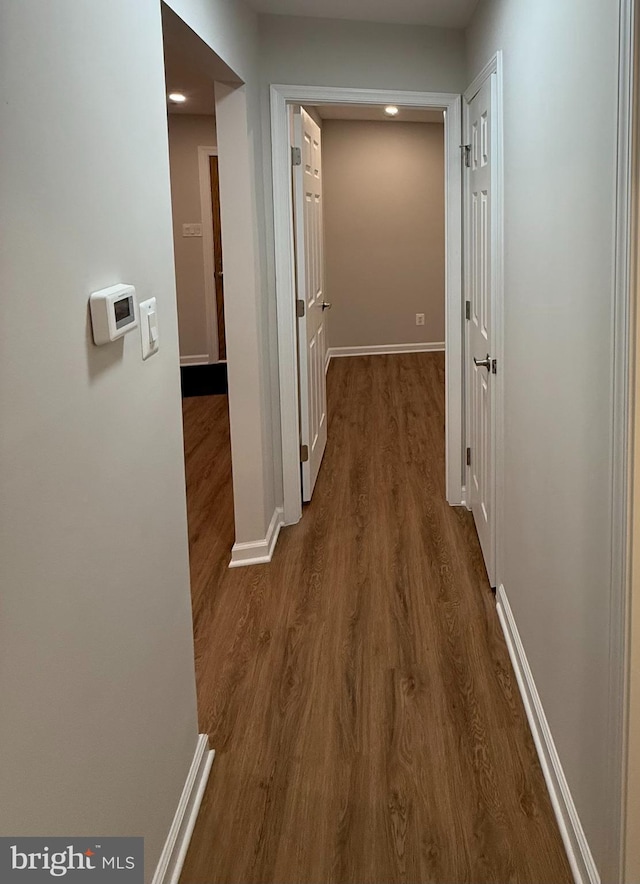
[206, 214]
[624, 411]
[493, 67]
[451, 104]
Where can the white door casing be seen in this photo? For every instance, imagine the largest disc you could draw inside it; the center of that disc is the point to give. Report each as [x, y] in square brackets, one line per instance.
[282, 97]
[312, 343]
[481, 325]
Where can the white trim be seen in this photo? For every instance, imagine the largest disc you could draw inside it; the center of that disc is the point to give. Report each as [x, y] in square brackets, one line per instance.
[579, 855]
[490, 67]
[499, 332]
[493, 66]
[258, 552]
[623, 364]
[198, 359]
[281, 95]
[384, 349]
[327, 360]
[344, 95]
[206, 214]
[455, 461]
[175, 847]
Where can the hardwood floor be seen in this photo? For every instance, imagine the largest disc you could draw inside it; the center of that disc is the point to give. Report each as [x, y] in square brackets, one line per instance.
[358, 692]
[209, 511]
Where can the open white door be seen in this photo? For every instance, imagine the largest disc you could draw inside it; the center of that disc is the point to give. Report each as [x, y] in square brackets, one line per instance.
[312, 342]
[481, 294]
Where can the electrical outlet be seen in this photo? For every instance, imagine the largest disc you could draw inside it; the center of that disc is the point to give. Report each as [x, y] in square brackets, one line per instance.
[192, 229]
[419, 318]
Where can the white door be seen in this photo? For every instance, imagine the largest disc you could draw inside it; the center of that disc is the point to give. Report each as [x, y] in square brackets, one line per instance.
[480, 171]
[312, 343]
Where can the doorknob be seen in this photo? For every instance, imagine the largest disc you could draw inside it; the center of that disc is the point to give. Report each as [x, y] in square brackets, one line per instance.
[326, 305]
[483, 363]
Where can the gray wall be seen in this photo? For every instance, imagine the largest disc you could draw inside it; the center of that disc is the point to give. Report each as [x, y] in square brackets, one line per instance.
[98, 724]
[560, 76]
[326, 52]
[187, 132]
[383, 191]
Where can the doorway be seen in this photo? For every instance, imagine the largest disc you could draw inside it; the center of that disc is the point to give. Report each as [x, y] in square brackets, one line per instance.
[451, 106]
[370, 246]
[213, 204]
[198, 255]
[195, 195]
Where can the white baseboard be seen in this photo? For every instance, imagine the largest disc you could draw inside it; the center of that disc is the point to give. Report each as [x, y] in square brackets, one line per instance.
[198, 359]
[582, 864]
[258, 552]
[175, 848]
[383, 350]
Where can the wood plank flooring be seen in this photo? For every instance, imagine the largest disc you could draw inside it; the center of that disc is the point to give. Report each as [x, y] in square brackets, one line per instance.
[209, 512]
[357, 690]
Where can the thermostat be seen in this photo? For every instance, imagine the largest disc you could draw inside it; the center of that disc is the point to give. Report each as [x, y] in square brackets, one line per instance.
[114, 312]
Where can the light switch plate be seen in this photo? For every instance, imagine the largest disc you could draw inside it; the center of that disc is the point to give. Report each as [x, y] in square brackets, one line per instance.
[192, 229]
[149, 327]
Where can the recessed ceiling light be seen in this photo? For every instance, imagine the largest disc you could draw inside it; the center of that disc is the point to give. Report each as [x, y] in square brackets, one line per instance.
[391, 110]
[177, 97]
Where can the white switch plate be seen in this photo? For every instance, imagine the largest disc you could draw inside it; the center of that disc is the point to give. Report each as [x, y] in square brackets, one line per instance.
[192, 229]
[149, 327]
[419, 318]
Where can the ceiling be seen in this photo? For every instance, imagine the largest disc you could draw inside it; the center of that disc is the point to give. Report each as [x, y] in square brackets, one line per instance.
[376, 113]
[191, 67]
[436, 13]
[197, 87]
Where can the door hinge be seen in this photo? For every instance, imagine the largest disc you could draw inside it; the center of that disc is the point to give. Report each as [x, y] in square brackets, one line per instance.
[299, 309]
[494, 366]
[296, 156]
[304, 453]
[466, 155]
[468, 457]
[467, 309]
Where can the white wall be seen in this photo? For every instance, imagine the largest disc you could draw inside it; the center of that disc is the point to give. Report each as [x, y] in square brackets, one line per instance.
[246, 329]
[560, 76]
[383, 193]
[187, 132]
[98, 724]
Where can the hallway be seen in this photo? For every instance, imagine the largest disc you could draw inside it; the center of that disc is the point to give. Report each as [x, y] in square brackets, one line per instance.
[357, 691]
